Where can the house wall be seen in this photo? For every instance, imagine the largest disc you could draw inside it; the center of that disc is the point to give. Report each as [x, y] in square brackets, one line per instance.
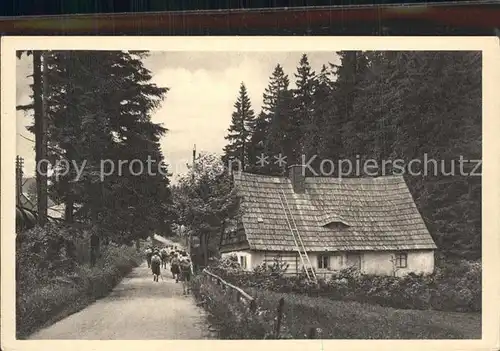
[290, 257]
[256, 258]
[377, 263]
[336, 262]
[239, 254]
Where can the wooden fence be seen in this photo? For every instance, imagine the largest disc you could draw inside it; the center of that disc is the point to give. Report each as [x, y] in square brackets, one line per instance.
[238, 293]
[241, 296]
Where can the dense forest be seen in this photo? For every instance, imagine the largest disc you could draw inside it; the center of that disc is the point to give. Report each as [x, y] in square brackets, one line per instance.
[99, 112]
[379, 106]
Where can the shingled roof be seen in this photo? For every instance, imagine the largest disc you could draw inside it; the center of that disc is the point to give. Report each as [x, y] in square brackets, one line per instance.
[333, 214]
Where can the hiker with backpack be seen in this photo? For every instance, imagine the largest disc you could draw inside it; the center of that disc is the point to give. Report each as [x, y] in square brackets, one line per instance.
[148, 252]
[175, 268]
[185, 273]
[155, 265]
[164, 257]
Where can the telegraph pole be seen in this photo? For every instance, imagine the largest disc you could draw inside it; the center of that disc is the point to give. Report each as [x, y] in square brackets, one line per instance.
[19, 179]
[193, 162]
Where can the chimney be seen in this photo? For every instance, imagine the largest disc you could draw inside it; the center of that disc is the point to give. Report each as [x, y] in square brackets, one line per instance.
[298, 177]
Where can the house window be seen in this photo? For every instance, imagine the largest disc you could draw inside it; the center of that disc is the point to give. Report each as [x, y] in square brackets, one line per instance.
[323, 262]
[243, 262]
[401, 260]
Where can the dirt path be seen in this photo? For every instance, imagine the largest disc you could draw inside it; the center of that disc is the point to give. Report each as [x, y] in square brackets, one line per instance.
[137, 308]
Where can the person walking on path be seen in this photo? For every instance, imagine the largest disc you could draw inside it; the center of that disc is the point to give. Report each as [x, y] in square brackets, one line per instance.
[156, 265]
[149, 253]
[174, 267]
[164, 257]
[185, 275]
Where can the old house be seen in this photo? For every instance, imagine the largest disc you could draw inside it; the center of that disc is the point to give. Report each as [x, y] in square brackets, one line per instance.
[28, 200]
[329, 223]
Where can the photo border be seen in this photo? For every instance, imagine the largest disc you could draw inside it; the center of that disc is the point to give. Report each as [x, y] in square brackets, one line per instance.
[490, 179]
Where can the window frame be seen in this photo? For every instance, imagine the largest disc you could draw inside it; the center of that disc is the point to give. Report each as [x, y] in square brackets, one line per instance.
[243, 259]
[321, 261]
[399, 258]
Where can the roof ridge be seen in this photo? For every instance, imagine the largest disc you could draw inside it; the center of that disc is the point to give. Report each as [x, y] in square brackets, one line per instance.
[390, 176]
[258, 175]
[360, 177]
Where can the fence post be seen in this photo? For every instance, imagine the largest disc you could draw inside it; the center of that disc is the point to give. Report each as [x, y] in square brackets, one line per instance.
[279, 317]
[253, 306]
[312, 333]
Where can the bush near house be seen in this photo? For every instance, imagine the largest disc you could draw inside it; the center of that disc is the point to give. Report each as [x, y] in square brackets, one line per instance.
[54, 279]
[453, 287]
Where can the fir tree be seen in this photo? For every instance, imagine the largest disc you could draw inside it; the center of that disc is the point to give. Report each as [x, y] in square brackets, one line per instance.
[302, 126]
[268, 136]
[242, 124]
[322, 138]
[348, 76]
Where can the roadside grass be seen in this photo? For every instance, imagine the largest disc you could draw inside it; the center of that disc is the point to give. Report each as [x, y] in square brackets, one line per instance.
[42, 301]
[336, 319]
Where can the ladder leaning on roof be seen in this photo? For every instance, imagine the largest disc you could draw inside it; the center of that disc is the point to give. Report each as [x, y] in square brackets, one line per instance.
[304, 257]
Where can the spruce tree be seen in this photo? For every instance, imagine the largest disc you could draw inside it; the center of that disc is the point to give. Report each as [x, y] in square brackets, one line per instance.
[323, 138]
[272, 124]
[242, 124]
[347, 85]
[302, 126]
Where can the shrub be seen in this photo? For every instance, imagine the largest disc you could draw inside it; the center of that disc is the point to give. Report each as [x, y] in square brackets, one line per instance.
[334, 319]
[454, 286]
[232, 319]
[276, 269]
[51, 280]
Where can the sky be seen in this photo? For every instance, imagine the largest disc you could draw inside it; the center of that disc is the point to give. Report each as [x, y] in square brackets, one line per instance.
[198, 107]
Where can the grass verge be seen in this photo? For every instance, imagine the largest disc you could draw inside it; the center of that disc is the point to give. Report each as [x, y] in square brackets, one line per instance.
[354, 320]
[335, 319]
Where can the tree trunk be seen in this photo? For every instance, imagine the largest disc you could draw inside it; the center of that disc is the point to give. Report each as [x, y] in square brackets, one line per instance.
[204, 242]
[95, 237]
[222, 232]
[94, 248]
[40, 134]
[68, 210]
[202, 248]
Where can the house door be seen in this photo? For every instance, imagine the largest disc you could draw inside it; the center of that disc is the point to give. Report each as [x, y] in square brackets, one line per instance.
[354, 260]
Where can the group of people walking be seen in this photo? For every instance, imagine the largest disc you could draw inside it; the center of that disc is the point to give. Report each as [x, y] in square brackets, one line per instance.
[180, 264]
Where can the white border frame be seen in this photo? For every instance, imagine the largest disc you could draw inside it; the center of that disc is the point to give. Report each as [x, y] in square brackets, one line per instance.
[490, 190]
